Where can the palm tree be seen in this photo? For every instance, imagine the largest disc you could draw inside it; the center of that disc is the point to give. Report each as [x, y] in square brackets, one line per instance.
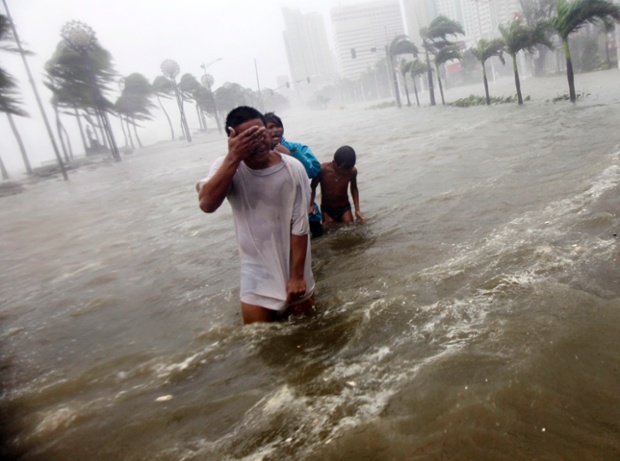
[518, 36]
[135, 100]
[170, 69]
[9, 101]
[417, 68]
[401, 44]
[405, 67]
[434, 37]
[163, 88]
[69, 78]
[447, 53]
[534, 11]
[484, 50]
[188, 85]
[570, 17]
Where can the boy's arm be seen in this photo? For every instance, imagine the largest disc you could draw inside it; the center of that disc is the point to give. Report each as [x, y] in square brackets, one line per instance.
[296, 286]
[313, 184]
[214, 191]
[356, 197]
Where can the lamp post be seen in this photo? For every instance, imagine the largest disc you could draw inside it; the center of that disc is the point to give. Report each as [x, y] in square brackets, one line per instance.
[207, 81]
[171, 69]
[81, 39]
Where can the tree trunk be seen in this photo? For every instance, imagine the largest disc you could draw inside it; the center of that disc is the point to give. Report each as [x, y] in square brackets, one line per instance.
[5, 174]
[64, 130]
[569, 71]
[202, 128]
[517, 82]
[22, 149]
[406, 89]
[129, 133]
[133, 121]
[59, 131]
[79, 121]
[486, 84]
[443, 101]
[395, 80]
[167, 117]
[184, 126]
[431, 89]
[120, 116]
[415, 90]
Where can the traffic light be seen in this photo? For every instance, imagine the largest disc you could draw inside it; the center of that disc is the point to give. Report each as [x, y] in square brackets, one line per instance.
[353, 55]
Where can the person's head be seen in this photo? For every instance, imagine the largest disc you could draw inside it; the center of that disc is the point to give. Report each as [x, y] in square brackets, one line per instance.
[240, 115]
[344, 158]
[242, 118]
[275, 127]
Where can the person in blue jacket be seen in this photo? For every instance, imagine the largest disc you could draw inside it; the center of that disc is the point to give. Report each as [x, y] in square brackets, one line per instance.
[301, 152]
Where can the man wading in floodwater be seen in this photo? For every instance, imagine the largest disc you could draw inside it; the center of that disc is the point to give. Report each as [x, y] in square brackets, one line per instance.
[269, 195]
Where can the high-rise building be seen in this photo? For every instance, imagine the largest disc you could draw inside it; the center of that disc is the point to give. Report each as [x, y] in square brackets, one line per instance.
[362, 32]
[418, 14]
[307, 48]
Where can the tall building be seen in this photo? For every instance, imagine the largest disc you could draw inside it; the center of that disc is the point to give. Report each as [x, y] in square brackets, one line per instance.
[307, 48]
[362, 32]
[418, 14]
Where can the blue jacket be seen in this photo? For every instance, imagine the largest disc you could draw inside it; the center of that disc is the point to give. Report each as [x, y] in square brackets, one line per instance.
[303, 153]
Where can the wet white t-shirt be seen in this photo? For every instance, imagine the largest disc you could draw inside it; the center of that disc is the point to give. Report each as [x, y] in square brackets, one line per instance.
[268, 205]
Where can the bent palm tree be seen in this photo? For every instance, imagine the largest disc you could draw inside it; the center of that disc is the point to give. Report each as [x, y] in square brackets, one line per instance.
[517, 36]
[485, 50]
[570, 17]
[417, 68]
[9, 100]
[405, 67]
[445, 54]
[434, 37]
[163, 87]
[401, 44]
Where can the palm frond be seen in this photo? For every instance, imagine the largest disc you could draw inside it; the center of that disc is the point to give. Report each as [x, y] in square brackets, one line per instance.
[572, 15]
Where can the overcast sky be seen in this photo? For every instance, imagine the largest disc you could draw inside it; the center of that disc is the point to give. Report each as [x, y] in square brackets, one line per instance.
[140, 34]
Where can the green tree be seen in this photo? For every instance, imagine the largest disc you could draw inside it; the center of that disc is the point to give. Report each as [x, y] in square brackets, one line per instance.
[401, 44]
[484, 50]
[570, 17]
[434, 37]
[443, 55]
[189, 86]
[170, 69]
[9, 96]
[521, 37]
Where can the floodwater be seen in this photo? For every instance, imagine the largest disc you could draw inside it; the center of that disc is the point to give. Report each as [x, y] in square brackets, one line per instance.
[475, 316]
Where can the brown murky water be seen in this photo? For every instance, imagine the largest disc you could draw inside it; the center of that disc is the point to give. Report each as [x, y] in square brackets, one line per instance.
[475, 316]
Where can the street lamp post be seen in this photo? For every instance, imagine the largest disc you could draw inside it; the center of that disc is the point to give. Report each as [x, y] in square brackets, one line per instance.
[81, 39]
[171, 69]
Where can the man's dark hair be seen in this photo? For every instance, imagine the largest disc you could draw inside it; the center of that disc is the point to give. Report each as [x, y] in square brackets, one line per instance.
[345, 156]
[271, 117]
[240, 115]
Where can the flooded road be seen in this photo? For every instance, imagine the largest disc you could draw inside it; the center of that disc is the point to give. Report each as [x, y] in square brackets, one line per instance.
[476, 314]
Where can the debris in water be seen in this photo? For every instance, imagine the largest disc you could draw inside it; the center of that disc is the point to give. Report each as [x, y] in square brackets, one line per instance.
[164, 398]
[352, 383]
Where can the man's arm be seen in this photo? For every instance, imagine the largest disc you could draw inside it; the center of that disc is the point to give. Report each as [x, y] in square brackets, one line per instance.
[214, 191]
[296, 286]
[356, 196]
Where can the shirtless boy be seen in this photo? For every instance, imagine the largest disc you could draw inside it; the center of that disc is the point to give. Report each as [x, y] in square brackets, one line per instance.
[334, 178]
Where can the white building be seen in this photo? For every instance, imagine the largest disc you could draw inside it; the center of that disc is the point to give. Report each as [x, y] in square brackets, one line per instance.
[362, 32]
[307, 48]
